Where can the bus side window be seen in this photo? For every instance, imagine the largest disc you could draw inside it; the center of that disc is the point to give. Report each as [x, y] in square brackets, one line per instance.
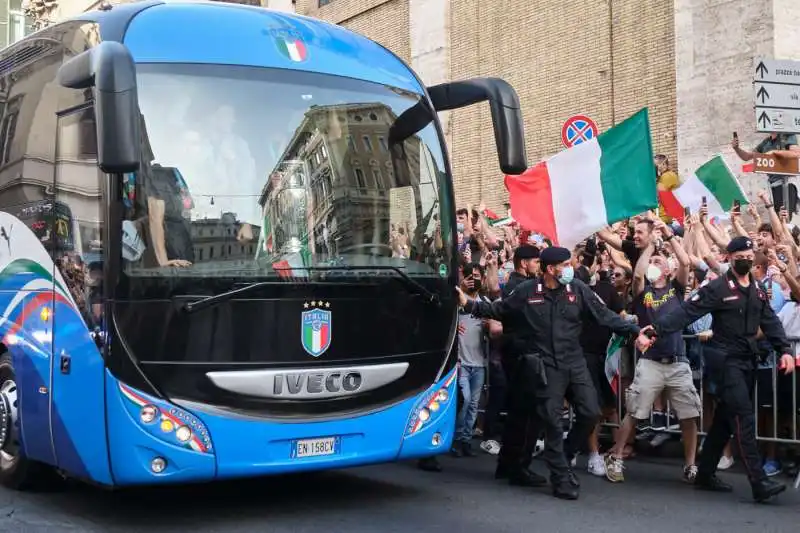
[78, 217]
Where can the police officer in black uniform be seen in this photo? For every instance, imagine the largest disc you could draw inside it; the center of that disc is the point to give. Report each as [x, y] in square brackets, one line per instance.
[738, 306]
[522, 425]
[526, 266]
[549, 312]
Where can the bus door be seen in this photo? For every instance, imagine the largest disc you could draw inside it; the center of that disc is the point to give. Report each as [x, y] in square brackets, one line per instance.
[78, 369]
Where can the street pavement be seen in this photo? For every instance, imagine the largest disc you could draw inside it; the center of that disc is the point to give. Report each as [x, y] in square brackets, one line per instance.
[400, 498]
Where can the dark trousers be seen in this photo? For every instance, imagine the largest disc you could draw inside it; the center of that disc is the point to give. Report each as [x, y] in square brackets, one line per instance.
[576, 379]
[522, 425]
[735, 416]
[497, 401]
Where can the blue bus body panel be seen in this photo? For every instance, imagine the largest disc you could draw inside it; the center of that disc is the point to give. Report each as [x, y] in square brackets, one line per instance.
[238, 447]
[41, 325]
[240, 35]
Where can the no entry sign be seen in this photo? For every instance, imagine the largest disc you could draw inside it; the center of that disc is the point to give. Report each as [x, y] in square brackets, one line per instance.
[577, 130]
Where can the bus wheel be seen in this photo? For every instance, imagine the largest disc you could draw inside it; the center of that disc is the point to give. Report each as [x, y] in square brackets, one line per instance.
[16, 471]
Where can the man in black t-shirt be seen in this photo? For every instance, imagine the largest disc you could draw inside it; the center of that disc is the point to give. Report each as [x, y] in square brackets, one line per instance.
[664, 367]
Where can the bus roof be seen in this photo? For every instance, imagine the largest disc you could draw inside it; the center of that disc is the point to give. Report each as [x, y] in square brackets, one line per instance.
[234, 34]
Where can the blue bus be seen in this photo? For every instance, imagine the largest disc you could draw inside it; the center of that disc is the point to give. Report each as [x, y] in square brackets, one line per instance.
[264, 277]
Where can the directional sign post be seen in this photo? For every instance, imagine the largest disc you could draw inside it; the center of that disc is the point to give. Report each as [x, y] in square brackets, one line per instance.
[577, 130]
[776, 92]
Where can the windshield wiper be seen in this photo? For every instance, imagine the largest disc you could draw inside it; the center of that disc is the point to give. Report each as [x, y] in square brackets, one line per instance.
[410, 283]
[210, 301]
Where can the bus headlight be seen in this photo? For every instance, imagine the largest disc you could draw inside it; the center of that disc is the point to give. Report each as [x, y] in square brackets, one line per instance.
[443, 395]
[424, 414]
[183, 433]
[148, 413]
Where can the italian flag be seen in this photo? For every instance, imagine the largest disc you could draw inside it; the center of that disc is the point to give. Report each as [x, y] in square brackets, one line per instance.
[589, 186]
[715, 181]
[294, 49]
[613, 359]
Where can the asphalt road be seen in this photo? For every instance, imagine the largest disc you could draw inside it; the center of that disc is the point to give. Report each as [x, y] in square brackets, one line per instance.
[399, 498]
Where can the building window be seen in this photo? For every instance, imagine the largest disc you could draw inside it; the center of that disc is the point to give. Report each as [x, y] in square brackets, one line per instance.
[17, 28]
[351, 144]
[378, 178]
[360, 182]
[211, 252]
[324, 2]
[383, 145]
[367, 143]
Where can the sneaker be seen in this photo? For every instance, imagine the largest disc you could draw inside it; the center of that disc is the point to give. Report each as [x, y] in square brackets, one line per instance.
[659, 421]
[614, 469]
[689, 473]
[659, 439]
[539, 448]
[772, 468]
[596, 465]
[574, 461]
[457, 450]
[492, 447]
[725, 463]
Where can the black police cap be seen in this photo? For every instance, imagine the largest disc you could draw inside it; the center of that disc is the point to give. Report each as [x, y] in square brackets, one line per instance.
[526, 251]
[554, 255]
[740, 244]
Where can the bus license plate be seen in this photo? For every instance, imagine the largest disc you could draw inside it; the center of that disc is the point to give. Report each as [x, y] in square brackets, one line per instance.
[316, 447]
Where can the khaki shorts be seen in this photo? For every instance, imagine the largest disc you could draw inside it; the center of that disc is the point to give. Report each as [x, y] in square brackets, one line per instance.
[651, 378]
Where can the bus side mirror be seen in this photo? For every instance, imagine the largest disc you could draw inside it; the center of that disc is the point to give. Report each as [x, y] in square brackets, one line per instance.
[109, 68]
[509, 134]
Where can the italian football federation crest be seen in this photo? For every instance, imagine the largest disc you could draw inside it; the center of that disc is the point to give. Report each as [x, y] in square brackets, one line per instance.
[316, 328]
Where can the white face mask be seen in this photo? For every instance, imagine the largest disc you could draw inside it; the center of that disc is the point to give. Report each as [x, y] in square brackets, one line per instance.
[653, 273]
[704, 283]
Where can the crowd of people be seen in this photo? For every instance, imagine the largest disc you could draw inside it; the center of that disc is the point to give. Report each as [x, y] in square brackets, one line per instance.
[707, 308]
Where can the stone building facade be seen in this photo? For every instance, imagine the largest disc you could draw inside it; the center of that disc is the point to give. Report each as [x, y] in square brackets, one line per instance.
[605, 60]
[688, 61]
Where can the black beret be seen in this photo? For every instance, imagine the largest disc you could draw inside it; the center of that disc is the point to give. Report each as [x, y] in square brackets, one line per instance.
[740, 244]
[526, 251]
[554, 255]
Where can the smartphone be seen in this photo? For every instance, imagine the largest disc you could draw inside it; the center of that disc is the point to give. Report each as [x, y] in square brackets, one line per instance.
[687, 212]
[737, 205]
[703, 199]
[735, 135]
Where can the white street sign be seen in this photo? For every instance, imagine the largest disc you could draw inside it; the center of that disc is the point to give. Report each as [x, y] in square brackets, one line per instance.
[770, 120]
[776, 71]
[777, 95]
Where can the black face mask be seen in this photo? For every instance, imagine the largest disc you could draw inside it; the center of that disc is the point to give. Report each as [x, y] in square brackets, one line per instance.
[742, 266]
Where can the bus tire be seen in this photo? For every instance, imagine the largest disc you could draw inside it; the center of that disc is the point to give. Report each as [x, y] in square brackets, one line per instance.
[16, 471]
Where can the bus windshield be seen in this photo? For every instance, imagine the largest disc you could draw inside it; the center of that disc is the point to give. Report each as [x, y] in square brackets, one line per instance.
[259, 171]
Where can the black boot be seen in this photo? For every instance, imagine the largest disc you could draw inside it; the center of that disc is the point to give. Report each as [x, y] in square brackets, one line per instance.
[711, 483]
[765, 489]
[429, 464]
[565, 490]
[573, 479]
[466, 449]
[522, 477]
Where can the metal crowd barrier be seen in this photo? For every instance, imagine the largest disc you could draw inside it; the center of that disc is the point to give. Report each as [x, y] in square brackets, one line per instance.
[776, 414]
